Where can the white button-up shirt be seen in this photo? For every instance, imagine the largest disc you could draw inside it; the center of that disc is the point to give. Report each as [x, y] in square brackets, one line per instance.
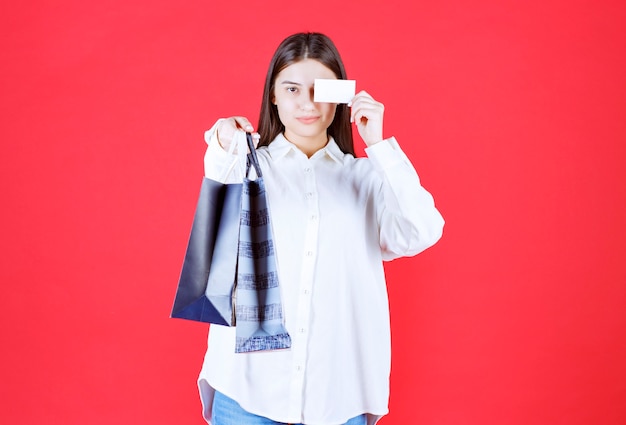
[335, 219]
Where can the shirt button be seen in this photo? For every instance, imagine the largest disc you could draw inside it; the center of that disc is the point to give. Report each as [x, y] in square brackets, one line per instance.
[298, 368]
[309, 253]
[302, 330]
[313, 217]
[309, 194]
[307, 170]
[306, 292]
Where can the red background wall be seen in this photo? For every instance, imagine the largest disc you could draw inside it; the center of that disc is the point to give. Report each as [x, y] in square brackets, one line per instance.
[512, 112]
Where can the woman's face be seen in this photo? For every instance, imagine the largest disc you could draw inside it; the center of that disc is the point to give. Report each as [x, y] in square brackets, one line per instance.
[305, 121]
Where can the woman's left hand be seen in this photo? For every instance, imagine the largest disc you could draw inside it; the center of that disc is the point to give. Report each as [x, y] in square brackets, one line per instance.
[367, 113]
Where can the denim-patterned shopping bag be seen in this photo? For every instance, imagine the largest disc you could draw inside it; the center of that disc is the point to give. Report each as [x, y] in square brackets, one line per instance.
[258, 307]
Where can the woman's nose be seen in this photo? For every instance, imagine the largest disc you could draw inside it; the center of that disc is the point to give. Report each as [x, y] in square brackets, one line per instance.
[306, 101]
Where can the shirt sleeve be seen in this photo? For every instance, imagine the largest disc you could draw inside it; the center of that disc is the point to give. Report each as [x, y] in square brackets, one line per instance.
[220, 165]
[408, 220]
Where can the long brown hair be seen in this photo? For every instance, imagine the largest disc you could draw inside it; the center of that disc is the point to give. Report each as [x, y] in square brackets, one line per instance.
[293, 49]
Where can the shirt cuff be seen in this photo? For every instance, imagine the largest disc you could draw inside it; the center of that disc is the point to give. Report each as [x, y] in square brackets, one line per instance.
[386, 154]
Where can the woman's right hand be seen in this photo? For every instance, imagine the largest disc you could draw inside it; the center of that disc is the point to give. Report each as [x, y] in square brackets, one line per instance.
[227, 128]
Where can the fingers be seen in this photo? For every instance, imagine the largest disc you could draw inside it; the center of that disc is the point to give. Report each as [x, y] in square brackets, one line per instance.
[367, 113]
[364, 106]
[228, 127]
[243, 123]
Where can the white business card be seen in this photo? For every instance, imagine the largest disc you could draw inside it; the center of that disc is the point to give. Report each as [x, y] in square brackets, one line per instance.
[333, 91]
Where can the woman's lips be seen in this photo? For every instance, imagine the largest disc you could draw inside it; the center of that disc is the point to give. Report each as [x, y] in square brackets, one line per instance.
[307, 120]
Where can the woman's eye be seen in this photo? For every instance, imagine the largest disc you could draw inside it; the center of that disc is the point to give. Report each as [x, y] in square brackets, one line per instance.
[292, 89]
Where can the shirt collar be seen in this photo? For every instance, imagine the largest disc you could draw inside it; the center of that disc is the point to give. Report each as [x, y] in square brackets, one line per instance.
[280, 147]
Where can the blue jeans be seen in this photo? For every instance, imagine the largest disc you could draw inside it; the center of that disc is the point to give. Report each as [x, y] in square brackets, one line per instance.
[227, 411]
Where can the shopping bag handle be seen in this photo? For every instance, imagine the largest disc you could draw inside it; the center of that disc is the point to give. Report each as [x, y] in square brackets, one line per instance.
[252, 158]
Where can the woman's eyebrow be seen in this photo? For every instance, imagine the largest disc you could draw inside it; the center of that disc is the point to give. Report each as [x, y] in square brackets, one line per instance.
[290, 82]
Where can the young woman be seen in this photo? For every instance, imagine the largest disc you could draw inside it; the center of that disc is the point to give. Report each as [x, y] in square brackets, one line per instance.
[335, 219]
